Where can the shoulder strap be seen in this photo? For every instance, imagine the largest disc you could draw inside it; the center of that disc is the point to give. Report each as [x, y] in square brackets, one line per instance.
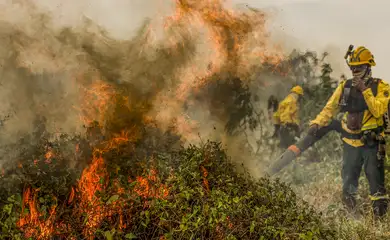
[374, 87]
[348, 85]
[345, 92]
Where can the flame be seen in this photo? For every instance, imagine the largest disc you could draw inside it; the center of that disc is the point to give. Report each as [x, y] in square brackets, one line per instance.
[93, 179]
[146, 188]
[48, 156]
[205, 181]
[42, 229]
[96, 99]
[228, 32]
[71, 196]
[236, 40]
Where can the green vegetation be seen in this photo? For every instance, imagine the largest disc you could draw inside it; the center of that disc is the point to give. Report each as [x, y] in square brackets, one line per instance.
[193, 193]
[126, 178]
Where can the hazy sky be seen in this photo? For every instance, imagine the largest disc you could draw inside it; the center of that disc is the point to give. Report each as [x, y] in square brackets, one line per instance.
[334, 24]
[308, 24]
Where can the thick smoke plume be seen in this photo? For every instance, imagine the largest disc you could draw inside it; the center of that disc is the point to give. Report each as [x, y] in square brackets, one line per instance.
[58, 79]
[82, 109]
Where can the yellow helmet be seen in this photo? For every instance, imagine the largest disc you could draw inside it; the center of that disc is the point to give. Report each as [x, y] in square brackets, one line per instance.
[298, 90]
[361, 56]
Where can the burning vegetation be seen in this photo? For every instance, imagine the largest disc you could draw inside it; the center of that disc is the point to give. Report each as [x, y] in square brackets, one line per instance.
[126, 174]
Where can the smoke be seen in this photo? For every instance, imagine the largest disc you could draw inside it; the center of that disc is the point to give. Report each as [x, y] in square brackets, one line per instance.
[35, 78]
[183, 69]
[43, 52]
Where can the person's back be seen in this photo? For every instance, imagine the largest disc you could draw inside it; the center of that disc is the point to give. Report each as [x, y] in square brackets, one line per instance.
[288, 117]
[288, 110]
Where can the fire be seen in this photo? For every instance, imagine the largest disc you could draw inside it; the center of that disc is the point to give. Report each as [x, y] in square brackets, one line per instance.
[96, 99]
[118, 139]
[71, 195]
[228, 32]
[93, 179]
[145, 189]
[236, 40]
[48, 156]
[35, 226]
[205, 181]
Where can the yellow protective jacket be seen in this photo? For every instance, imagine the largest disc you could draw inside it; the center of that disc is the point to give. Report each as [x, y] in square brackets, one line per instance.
[288, 111]
[372, 119]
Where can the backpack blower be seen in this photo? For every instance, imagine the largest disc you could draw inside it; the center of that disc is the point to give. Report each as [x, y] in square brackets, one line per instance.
[298, 148]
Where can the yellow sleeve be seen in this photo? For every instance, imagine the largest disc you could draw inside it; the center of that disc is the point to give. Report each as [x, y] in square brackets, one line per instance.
[377, 105]
[331, 108]
[288, 110]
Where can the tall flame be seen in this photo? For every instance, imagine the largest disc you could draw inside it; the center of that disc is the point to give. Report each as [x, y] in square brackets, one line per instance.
[228, 33]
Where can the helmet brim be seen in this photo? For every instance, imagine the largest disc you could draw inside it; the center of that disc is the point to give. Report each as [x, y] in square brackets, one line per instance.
[372, 63]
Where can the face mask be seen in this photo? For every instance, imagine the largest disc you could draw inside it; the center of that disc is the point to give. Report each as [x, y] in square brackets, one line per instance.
[361, 71]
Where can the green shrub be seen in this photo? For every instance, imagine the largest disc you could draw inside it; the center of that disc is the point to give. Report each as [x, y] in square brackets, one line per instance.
[194, 193]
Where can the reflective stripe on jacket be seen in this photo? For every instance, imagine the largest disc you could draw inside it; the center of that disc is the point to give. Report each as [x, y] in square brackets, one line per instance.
[372, 119]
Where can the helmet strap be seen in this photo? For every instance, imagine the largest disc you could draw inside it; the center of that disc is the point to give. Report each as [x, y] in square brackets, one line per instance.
[367, 75]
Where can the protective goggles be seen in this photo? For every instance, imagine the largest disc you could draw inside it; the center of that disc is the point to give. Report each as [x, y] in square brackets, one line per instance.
[359, 68]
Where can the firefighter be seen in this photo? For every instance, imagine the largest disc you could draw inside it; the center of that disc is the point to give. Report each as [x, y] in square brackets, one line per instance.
[272, 108]
[363, 100]
[287, 116]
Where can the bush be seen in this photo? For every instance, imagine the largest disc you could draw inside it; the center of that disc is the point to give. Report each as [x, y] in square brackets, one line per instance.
[194, 193]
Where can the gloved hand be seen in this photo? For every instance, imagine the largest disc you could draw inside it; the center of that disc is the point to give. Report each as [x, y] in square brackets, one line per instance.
[313, 129]
[359, 83]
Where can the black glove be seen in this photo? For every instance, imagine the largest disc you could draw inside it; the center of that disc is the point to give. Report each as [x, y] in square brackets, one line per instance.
[313, 130]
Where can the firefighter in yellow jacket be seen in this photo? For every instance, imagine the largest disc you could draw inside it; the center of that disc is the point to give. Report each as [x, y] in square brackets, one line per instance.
[287, 116]
[363, 100]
